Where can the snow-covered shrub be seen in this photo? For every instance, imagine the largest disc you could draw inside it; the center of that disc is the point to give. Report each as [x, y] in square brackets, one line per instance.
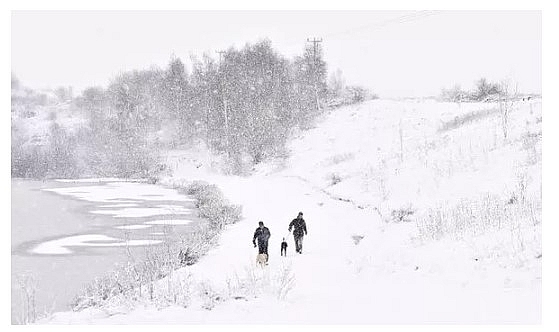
[246, 286]
[358, 94]
[175, 289]
[98, 292]
[256, 282]
[213, 207]
[200, 242]
[284, 281]
[133, 280]
[350, 95]
[212, 204]
[334, 179]
[357, 238]
[210, 296]
[454, 94]
[401, 214]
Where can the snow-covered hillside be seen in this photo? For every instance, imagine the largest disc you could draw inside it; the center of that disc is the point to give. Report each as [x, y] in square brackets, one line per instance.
[34, 113]
[417, 212]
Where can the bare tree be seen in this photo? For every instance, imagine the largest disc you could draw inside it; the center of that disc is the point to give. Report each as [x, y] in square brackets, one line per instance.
[485, 89]
[336, 83]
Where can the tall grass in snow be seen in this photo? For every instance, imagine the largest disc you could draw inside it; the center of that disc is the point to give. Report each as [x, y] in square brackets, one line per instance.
[472, 217]
[467, 118]
[28, 287]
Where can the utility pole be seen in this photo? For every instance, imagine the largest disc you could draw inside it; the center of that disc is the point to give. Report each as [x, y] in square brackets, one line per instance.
[315, 43]
[220, 54]
[224, 99]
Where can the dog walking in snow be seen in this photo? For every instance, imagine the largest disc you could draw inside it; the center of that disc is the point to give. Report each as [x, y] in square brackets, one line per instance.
[283, 247]
[262, 234]
[261, 260]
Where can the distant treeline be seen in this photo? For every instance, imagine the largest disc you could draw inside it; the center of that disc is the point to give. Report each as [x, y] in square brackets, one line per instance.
[243, 105]
[483, 91]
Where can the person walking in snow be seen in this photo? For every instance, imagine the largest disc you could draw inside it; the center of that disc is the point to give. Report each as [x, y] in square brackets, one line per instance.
[262, 234]
[299, 230]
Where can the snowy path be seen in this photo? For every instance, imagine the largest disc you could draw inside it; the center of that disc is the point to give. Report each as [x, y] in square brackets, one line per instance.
[377, 283]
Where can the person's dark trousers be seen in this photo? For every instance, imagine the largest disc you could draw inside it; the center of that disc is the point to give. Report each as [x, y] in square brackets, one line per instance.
[284, 251]
[299, 244]
[263, 248]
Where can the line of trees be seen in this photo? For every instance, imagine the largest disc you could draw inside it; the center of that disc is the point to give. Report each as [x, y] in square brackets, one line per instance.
[243, 105]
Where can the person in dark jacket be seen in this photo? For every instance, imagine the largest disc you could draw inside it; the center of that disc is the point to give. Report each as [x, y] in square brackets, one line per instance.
[262, 234]
[299, 229]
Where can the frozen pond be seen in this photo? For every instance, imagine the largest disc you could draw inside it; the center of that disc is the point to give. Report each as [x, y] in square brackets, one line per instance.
[64, 233]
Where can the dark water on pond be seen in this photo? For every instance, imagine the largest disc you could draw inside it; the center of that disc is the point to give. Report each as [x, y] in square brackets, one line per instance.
[39, 217]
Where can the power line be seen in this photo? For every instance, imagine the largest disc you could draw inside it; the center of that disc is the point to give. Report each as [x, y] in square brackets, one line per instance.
[397, 20]
[406, 18]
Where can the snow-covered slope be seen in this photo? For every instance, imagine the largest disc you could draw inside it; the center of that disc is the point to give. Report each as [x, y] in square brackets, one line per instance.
[350, 176]
[33, 123]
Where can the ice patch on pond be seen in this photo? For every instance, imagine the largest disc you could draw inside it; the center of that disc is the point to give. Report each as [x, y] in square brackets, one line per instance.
[142, 212]
[169, 222]
[98, 180]
[132, 227]
[109, 192]
[59, 246]
[169, 206]
[118, 205]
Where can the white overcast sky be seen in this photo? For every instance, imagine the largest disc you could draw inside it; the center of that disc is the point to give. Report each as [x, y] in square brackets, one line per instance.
[394, 53]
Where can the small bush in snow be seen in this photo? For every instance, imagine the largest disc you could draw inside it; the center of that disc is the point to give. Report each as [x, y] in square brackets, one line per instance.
[284, 281]
[402, 214]
[212, 205]
[357, 238]
[335, 178]
[257, 281]
[209, 295]
[454, 94]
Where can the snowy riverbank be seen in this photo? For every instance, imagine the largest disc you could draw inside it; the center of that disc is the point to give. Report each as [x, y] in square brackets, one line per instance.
[357, 176]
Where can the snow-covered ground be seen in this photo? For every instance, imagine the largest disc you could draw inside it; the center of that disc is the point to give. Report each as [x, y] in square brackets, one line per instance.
[350, 175]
